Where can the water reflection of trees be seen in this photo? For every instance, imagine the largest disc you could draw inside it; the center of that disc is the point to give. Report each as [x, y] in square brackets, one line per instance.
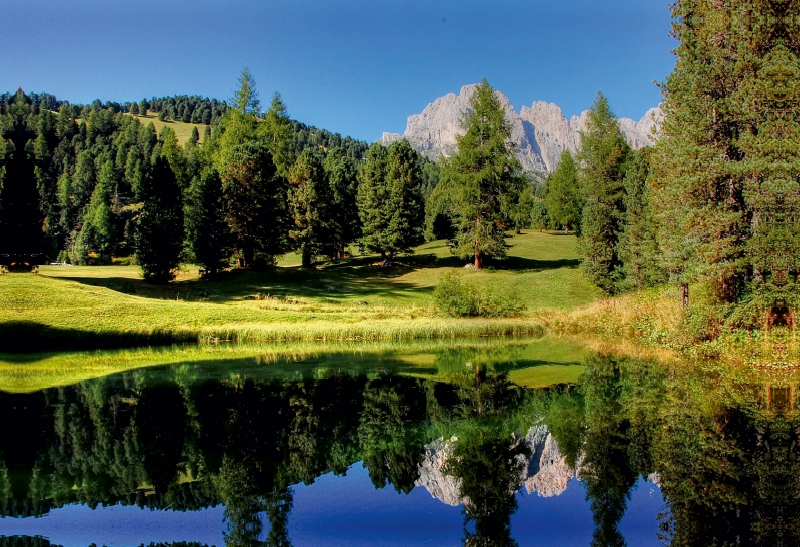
[723, 445]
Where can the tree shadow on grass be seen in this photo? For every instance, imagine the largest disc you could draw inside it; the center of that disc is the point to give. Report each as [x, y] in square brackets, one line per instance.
[29, 337]
[359, 278]
[520, 264]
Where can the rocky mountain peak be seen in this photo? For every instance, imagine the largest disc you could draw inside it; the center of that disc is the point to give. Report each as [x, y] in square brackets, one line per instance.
[540, 131]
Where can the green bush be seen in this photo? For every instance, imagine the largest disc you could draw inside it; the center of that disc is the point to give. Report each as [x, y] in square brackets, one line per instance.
[457, 296]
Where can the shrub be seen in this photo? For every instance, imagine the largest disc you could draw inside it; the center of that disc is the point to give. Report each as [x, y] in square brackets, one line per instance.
[455, 296]
[458, 296]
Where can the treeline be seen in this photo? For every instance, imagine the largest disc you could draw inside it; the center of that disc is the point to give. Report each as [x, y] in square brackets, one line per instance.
[257, 185]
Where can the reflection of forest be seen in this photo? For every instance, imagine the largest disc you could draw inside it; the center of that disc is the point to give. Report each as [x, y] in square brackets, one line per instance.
[724, 449]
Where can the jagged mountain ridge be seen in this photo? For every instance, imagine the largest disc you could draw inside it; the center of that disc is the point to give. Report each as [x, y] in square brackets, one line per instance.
[541, 131]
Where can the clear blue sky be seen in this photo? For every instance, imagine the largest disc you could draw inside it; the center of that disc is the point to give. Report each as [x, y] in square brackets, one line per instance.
[358, 67]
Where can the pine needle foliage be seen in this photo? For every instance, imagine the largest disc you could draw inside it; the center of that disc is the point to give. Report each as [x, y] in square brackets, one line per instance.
[727, 166]
[310, 201]
[602, 158]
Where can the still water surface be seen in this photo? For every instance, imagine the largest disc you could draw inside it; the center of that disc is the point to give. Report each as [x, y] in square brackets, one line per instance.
[441, 446]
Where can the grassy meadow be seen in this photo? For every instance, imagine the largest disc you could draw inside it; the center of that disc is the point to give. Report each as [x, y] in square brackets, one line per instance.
[354, 299]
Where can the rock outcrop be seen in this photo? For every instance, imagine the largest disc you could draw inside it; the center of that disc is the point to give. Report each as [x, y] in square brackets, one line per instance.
[444, 488]
[540, 131]
[546, 472]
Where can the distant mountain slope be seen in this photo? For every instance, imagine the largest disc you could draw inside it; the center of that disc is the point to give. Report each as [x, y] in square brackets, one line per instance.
[541, 131]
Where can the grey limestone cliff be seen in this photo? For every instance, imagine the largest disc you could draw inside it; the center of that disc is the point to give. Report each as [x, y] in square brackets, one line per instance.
[546, 472]
[541, 132]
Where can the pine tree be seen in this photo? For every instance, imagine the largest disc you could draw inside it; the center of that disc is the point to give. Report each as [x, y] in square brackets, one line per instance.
[390, 201]
[159, 226]
[310, 202]
[143, 106]
[99, 231]
[194, 138]
[245, 101]
[637, 247]
[373, 199]
[207, 232]
[134, 109]
[342, 174]
[562, 194]
[277, 129]
[726, 166]
[602, 158]
[256, 202]
[481, 183]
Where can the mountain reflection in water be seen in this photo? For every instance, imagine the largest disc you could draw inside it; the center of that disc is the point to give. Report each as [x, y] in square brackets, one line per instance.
[721, 444]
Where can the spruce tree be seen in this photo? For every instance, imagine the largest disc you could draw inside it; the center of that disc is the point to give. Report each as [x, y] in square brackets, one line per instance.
[562, 194]
[159, 226]
[143, 106]
[99, 230]
[277, 130]
[602, 158]
[390, 201]
[637, 247]
[342, 174]
[256, 202]
[310, 203]
[207, 232]
[373, 200]
[481, 183]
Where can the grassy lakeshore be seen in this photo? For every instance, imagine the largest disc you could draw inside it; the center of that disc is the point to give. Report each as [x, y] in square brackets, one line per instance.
[110, 306]
[529, 362]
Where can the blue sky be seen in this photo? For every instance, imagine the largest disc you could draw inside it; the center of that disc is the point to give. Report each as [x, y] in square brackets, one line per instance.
[358, 67]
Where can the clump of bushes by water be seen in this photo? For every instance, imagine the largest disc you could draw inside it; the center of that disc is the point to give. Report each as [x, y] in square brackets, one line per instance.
[460, 296]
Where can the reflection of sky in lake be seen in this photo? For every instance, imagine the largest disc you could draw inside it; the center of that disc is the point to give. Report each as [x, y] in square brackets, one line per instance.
[339, 511]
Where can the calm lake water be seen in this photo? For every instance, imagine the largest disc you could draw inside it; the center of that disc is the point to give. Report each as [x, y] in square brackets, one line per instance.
[422, 446]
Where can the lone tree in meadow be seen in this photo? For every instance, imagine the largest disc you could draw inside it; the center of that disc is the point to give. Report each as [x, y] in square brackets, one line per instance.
[602, 160]
[159, 226]
[562, 194]
[390, 201]
[480, 185]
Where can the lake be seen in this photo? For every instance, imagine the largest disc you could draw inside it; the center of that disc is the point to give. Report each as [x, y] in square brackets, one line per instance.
[496, 442]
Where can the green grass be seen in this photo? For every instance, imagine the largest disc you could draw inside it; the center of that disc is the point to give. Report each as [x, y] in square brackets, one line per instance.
[182, 130]
[110, 306]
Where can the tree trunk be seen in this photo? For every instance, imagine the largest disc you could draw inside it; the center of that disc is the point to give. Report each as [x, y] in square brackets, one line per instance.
[685, 295]
[566, 229]
[306, 262]
[248, 254]
[478, 261]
